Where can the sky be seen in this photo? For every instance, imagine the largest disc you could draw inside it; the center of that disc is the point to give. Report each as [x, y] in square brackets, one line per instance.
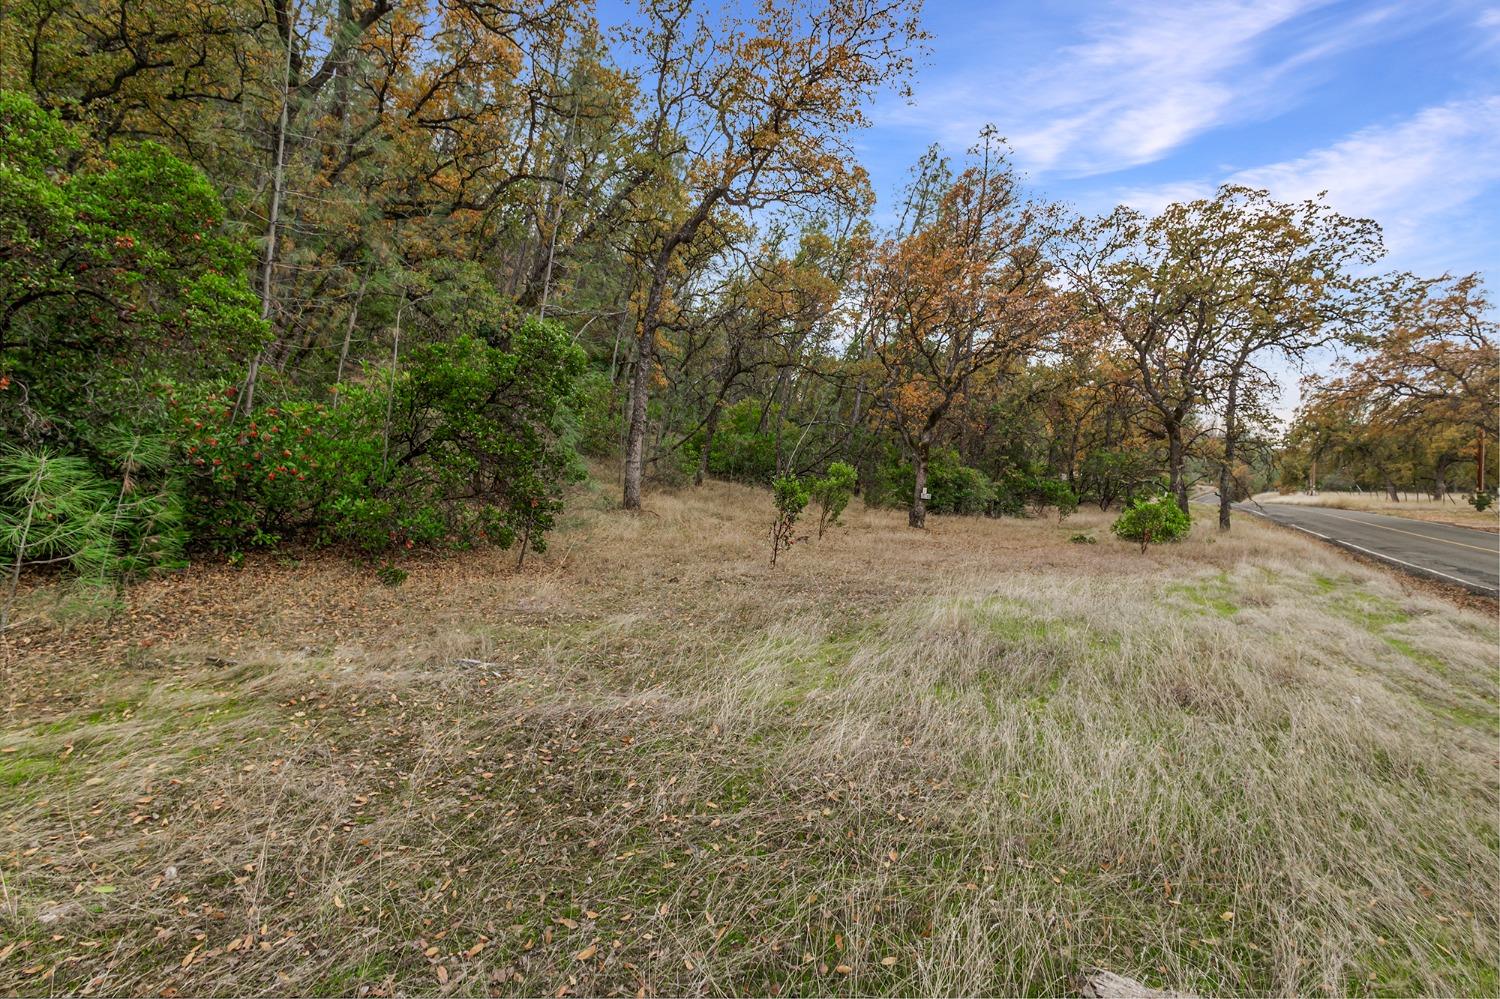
[1392, 108]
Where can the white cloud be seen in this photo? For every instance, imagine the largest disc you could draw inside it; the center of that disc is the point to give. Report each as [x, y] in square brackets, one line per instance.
[1149, 80]
[1143, 79]
[1411, 177]
[1152, 199]
[1431, 181]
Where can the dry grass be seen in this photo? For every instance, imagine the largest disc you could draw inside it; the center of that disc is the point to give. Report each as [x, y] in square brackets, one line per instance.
[978, 760]
[1454, 510]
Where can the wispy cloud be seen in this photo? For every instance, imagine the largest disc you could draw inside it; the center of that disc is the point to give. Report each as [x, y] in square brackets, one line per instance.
[1429, 164]
[1142, 79]
[1152, 198]
[1425, 179]
[1146, 82]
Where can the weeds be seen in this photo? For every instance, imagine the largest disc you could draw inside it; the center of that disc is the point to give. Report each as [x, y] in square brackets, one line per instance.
[981, 760]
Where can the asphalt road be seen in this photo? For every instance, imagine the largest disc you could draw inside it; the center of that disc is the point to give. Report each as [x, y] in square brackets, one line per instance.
[1461, 555]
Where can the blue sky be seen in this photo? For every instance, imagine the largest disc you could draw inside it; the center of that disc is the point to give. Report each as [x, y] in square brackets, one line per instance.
[1393, 108]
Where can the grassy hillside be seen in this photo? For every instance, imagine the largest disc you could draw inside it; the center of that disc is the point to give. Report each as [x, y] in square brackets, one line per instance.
[980, 759]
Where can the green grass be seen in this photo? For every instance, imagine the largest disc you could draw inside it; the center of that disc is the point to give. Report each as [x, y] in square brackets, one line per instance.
[999, 779]
[17, 769]
[1211, 595]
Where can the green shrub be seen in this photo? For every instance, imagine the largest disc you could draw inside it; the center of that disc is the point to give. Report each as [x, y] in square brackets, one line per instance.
[1056, 494]
[115, 271]
[468, 444]
[954, 487]
[1481, 501]
[790, 496]
[740, 450]
[833, 492]
[1154, 519]
[1083, 539]
[1108, 475]
[597, 414]
[247, 481]
[1021, 492]
[957, 488]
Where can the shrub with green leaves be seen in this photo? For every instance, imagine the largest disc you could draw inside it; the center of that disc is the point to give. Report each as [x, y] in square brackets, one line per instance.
[1151, 520]
[833, 492]
[1481, 501]
[1110, 474]
[790, 495]
[955, 488]
[742, 449]
[249, 482]
[1056, 494]
[598, 413]
[113, 273]
[1023, 492]
[469, 443]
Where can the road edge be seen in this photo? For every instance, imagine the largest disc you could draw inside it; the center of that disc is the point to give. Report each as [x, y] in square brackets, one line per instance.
[1410, 568]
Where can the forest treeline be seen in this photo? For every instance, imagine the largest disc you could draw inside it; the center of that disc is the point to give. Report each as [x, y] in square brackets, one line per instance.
[380, 272]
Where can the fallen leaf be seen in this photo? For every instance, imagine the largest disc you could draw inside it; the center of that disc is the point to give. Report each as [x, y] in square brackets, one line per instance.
[843, 969]
[1226, 915]
[586, 953]
[888, 961]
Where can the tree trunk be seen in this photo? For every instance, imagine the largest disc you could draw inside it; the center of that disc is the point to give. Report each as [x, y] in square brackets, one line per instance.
[614, 357]
[1226, 468]
[359, 297]
[917, 516]
[640, 383]
[710, 428]
[776, 434]
[1226, 481]
[1175, 460]
[635, 441]
[764, 423]
[1479, 476]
